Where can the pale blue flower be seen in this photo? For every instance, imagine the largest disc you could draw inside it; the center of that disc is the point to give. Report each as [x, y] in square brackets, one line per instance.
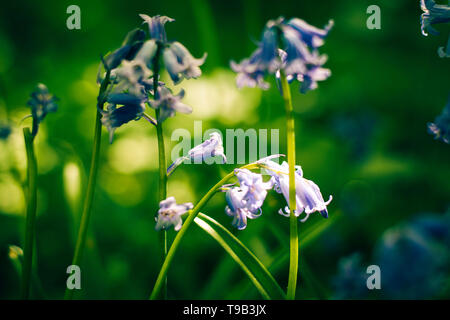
[308, 195]
[42, 102]
[312, 36]
[156, 26]
[210, 148]
[168, 103]
[440, 128]
[169, 214]
[238, 207]
[180, 63]
[256, 188]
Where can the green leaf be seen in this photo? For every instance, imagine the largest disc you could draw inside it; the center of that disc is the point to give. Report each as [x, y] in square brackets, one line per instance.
[255, 270]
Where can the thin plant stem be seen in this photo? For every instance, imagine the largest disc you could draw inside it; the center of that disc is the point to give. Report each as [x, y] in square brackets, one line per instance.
[176, 242]
[85, 216]
[161, 157]
[293, 232]
[31, 213]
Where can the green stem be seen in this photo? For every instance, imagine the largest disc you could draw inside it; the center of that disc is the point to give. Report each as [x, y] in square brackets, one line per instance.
[161, 157]
[192, 215]
[293, 233]
[85, 216]
[31, 213]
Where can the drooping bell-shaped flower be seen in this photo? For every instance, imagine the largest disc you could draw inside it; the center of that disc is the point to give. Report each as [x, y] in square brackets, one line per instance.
[308, 195]
[156, 26]
[169, 214]
[440, 128]
[168, 103]
[210, 148]
[180, 63]
[41, 102]
[238, 208]
[256, 188]
[113, 117]
[130, 46]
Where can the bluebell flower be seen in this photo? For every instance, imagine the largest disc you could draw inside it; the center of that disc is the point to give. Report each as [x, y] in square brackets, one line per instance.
[180, 63]
[113, 117]
[210, 148]
[169, 214]
[130, 46]
[291, 46]
[168, 103]
[308, 195]
[238, 207]
[42, 102]
[440, 128]
[312, 36]
[256, 188]
[433, 14]
[5, 131]
[132, 77]
[156, 26]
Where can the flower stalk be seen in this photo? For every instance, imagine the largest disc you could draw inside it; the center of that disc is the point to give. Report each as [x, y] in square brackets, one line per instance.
[161, 157]
[293, 232]
[31, 213]
[85, 216]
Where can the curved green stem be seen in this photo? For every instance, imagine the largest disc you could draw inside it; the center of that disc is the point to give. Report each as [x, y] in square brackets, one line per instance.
[293, 233]
[176, 242]
[31, 213]
[85, 216]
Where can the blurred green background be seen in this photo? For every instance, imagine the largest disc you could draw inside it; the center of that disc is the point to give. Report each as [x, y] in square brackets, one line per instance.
[362, 137]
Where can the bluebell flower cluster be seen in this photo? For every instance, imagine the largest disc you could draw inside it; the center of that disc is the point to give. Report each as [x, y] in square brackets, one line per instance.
[210, 148]
[440, 128]
[288, 45]
[170, 213]
[41, 102]
[245, 201]
[435, 14]
[132, 68]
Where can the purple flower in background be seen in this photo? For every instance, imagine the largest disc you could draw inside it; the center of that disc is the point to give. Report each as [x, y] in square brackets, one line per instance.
[169, 214]
[308, 195]
[213, 147]
[180, 63]
[440, 128]
[168, 103]
[291, 46]
[114, 117]
[156, 26]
